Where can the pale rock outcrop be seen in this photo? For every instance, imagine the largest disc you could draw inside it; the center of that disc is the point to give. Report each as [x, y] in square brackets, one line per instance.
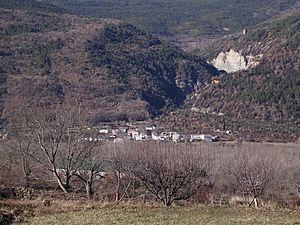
[233, 61]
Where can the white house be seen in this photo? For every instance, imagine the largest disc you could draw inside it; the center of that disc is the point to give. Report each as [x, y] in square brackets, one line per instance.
[150, 127]
[104, 130]
[208, 138]
[132, 132]
[140, 137]
[156, 137]
[175, 136]
[196, 137]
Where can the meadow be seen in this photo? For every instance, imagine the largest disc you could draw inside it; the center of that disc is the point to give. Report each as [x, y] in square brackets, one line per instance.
[192, 215]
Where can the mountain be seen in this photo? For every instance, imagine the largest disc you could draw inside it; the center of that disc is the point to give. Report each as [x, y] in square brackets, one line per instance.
[116, 70]
[185, 20]
[260, 97]
[119, 72]
[270, 89]
[31, 5]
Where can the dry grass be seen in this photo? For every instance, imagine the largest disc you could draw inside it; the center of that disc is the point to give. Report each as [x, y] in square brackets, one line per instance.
[150, 215]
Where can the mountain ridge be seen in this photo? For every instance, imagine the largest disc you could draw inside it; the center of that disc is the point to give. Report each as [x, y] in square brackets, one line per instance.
[31, 5]
[184, 22]
[119, 71]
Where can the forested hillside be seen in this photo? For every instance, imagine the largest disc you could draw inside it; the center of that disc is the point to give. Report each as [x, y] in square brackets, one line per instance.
[270, 91]
[116, 70]
[30, 5]
[191, 18]
[259, 103]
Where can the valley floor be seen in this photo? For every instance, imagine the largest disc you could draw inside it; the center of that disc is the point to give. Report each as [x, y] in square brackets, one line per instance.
[199, 215]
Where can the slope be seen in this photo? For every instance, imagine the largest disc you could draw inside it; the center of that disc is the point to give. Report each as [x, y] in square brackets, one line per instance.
[116, 70]
[260, 103]
[30, 5]
[185, 19]
[270, 90]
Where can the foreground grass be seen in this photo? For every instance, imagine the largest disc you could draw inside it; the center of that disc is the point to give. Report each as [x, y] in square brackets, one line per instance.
[174, 216]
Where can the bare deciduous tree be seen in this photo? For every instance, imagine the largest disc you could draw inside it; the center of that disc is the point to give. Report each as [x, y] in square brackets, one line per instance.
[122, 175]
[91, 169]
[60, 138]
[22, 142]
[6, 159]
[169, 172]
[254, 172]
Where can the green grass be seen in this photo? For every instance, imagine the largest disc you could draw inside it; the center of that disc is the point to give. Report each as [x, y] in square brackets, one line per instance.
[173, 216]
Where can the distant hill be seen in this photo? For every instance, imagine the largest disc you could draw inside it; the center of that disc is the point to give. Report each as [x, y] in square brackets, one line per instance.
[186, 19]
[260, 103]
[119, 72]
[271, 90]
[31, 5]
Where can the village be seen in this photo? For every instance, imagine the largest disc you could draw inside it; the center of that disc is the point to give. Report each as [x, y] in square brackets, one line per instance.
[145, 132]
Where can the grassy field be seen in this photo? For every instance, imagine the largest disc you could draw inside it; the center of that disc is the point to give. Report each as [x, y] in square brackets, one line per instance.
[174, 216]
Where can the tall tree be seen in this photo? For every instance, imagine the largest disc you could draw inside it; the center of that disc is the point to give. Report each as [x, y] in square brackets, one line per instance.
[60, 135]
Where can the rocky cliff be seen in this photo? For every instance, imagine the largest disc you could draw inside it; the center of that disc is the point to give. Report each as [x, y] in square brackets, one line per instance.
[233, 61]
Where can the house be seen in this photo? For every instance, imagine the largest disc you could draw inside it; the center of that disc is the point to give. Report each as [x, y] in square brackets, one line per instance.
[175, 137]
[203, 137]
[106, 167]
[150, 127]
[132, 132]
[166, 135]
[104, 130]
[156, 137]
[123, 129]
[208, 138]
[195, 137]
[136, 135]
[140, 137]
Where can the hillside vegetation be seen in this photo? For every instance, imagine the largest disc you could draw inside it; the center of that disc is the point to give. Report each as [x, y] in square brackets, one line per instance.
[262, 103]
[30, 5]
[116, 70]
[183, 17]
[268, 92]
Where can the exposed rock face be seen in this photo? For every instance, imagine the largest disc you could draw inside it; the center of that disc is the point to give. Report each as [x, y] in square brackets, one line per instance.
[233, 61]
